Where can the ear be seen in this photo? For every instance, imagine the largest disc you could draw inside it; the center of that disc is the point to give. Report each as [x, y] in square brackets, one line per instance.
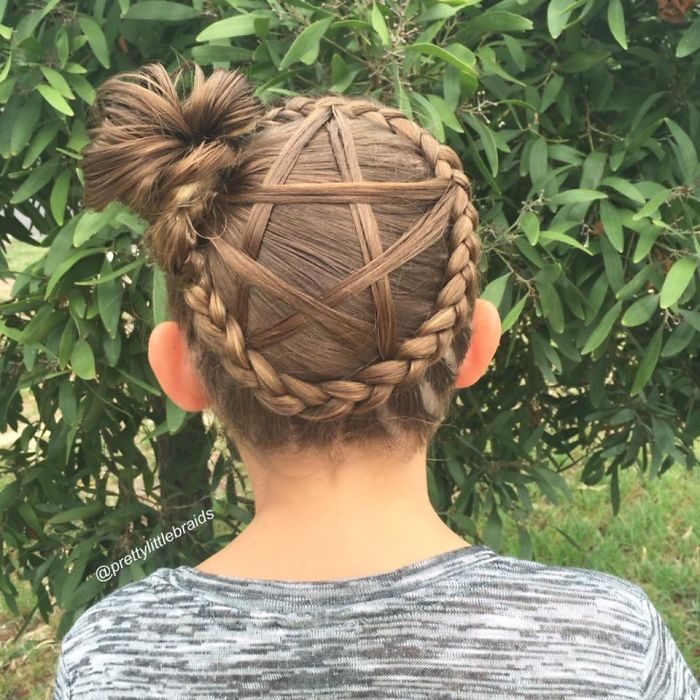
[172, 364]
[486, 334]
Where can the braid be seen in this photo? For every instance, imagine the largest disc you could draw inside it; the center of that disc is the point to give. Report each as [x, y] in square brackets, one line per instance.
[403, 363]
[187, 163]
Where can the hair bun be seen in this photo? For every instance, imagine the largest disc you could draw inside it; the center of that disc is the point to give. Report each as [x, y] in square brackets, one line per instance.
[159, 135]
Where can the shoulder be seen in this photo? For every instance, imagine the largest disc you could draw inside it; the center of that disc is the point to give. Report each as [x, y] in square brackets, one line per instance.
[569, 579]
[552, 594]
[119, 616]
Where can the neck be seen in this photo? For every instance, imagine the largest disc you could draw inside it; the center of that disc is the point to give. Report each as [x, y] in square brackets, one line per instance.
[317, 517]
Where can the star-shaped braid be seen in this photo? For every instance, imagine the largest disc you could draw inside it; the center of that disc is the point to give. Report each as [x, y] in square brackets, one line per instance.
[403, 361]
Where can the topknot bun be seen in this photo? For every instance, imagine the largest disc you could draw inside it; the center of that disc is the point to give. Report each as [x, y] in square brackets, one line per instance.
[163, 144]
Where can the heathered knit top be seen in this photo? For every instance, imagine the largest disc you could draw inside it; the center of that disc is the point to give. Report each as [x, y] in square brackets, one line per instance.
[468, 623]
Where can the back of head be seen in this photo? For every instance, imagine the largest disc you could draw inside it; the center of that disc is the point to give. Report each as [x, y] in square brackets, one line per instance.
[321, 254]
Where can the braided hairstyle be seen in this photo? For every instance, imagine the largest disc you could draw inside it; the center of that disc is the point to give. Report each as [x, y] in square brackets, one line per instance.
[321, 254]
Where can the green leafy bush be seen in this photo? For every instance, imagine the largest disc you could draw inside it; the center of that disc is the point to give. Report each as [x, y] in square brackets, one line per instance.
[577, 120]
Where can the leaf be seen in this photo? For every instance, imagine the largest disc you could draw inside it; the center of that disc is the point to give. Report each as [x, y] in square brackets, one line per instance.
[84, 593]
[38, 178]
[550, 235]
[55, 99]
[582, 61]
[9, 494]
[159, 297]
[624, 188]
[430, 117]
[497, 21]
[687, 155]
[139, 382]
[65, 347]
[41, 140]
[89, 223]
[379, 24]
[690, 41]
[493, 530]
[25, 123]
[530, 225]
[616, 22]
[555, 480]
[487, 141]
[641, 311]
[550, 92]
[445, 55]
[59, 196]
[174, 415]
[677, 280]
[577, 196]
[603, 329]
[82, 359]
[537, 160]
[513, 315]
[647, 239]
[161, 11]
[67, 401]
[103, 279]
[443, 11]
[212, 53]
[615, 490]
[57, 81]
[551, 306]
[648, 363]
[240, 25]
[40, 326]
[692, 317]
[525, 548]
[109, 300]
[635, 284]
[76, 514]
[6, 68]
[558, 13]
[612, 225]
[66, 265]
[678, 340]
[112, 348]
[306, 46]
[496, 289]
[445, 112]
[652, 205]
[96, 39]
[83, 88]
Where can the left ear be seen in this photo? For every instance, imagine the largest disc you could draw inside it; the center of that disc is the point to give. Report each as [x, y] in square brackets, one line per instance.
[486, 335]
[172, 364]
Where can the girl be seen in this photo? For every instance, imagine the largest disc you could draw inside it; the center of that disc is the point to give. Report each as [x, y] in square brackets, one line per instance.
[321, 258]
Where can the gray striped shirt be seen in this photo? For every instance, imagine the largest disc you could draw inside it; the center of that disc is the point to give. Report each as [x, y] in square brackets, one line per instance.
[463, 624]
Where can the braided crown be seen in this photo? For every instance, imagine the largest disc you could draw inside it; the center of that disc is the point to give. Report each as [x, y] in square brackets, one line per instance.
[188, 214]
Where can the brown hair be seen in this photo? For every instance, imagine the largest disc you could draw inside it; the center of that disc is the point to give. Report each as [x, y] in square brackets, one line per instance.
[321, 254]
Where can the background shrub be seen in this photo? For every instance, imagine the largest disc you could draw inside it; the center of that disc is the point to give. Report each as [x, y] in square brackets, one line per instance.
[576, 119]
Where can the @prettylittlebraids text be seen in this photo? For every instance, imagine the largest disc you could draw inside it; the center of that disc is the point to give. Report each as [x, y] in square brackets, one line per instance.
[105, 573]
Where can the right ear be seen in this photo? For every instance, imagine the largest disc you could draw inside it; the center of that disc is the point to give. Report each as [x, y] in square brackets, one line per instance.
[172, 364]
[486, 335]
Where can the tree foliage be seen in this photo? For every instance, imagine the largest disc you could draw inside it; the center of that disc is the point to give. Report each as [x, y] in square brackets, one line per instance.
[578, 122]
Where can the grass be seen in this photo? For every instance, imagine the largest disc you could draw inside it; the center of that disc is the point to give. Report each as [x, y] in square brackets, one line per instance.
[27, 664]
